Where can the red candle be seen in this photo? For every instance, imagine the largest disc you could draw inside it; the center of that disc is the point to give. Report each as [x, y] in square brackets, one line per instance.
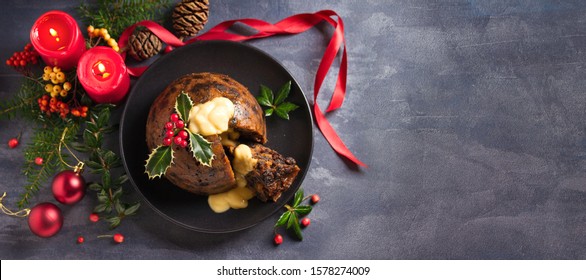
[103, 75]
[58, 40]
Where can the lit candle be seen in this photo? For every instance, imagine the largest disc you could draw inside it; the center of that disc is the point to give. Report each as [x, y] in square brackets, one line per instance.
[103, 75]
[58, 40]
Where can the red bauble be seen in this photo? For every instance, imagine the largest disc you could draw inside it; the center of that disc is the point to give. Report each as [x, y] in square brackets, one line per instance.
[68, 187]
[45, 219]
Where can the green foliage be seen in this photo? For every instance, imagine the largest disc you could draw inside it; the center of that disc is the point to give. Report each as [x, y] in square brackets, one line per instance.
[159, 161]
[117, 15]
[102, 162]
[276, 103]
[24, 103]
[45, 144]
[290, 218]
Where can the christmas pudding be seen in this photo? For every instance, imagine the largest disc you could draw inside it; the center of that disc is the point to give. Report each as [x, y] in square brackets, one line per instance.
[210, 129]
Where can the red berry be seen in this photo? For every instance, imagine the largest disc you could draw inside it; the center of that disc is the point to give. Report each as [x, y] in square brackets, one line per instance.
[180, 124]
[12, 143]
[94, 217]
[118, 238]
[80, 239]
[39, 161]
[278, 239]
[169, 125]
[169, 134]
[305, 222]
[174, 117]
[183, 134]
[178, 140]
[22, 62]
[184, 144]
[167, 141]
[314, 198]
[9, 62]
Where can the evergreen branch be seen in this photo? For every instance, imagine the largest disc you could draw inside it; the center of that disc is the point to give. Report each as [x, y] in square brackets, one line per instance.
[45, 144]
[24, 103]
[117, 15]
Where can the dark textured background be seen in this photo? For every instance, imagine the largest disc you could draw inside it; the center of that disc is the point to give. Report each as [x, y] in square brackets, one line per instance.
[470, 114]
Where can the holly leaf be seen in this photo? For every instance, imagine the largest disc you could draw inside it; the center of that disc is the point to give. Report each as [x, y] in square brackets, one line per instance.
[159, 161]
[183, 106]
[303, 210]
[283, 219]
[269, 112]
[200, 148]
[284, 109]
[292, 220]
[283, 93]
[266, 96]
[298, 198]
[297, 229]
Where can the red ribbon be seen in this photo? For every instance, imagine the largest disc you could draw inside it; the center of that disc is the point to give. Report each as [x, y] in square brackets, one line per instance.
[292, 25]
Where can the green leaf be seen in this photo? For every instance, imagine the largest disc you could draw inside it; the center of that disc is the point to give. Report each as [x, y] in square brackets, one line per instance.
[119, 207]
[159, 161]
[114, 221]
[100, 208]
[91, 127]
[303, 210]
[103, 117]
[117, 194]
[106, 179]
[183, 106]
[292, 220]
[269, 112]
[200, 148]
[287, 107]
[283, 219]
[80, 147]
[120, 180]
[297, 230]
[282, 113]
[93, 165]
[283, 93]
[131, 210]
[90, 139]
[298, 197]
[266, 96]
[94, 186]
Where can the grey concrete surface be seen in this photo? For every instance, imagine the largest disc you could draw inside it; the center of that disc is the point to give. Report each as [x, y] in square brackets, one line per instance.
[470, 114]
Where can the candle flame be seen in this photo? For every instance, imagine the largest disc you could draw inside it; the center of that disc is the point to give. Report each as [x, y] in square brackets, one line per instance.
[53, 32]
[101, 67]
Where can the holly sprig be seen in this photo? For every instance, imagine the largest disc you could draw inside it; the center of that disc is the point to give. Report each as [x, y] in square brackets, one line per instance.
[104, 162]
[290, 218]
[161, 157]
[276, 104]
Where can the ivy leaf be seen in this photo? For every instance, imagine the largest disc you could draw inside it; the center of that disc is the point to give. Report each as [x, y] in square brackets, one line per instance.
[183, 106]
[159, 161]
[283, 93]
[283, 219]
[200, 148]
[303, 210]
[266, 96]
[298, 198]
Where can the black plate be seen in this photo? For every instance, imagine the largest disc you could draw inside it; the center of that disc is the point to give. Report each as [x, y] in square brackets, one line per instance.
[247, 65]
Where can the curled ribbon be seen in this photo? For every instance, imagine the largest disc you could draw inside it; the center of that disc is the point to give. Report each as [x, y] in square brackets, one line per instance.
[291, 25]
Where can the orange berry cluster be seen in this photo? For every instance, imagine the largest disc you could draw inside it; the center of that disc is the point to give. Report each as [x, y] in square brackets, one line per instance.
[52, 105]
[59, 88]
[103, 33]
[23, 58]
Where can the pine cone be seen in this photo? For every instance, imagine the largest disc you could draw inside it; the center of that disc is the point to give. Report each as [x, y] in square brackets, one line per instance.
[144, 44]
[189, 17]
